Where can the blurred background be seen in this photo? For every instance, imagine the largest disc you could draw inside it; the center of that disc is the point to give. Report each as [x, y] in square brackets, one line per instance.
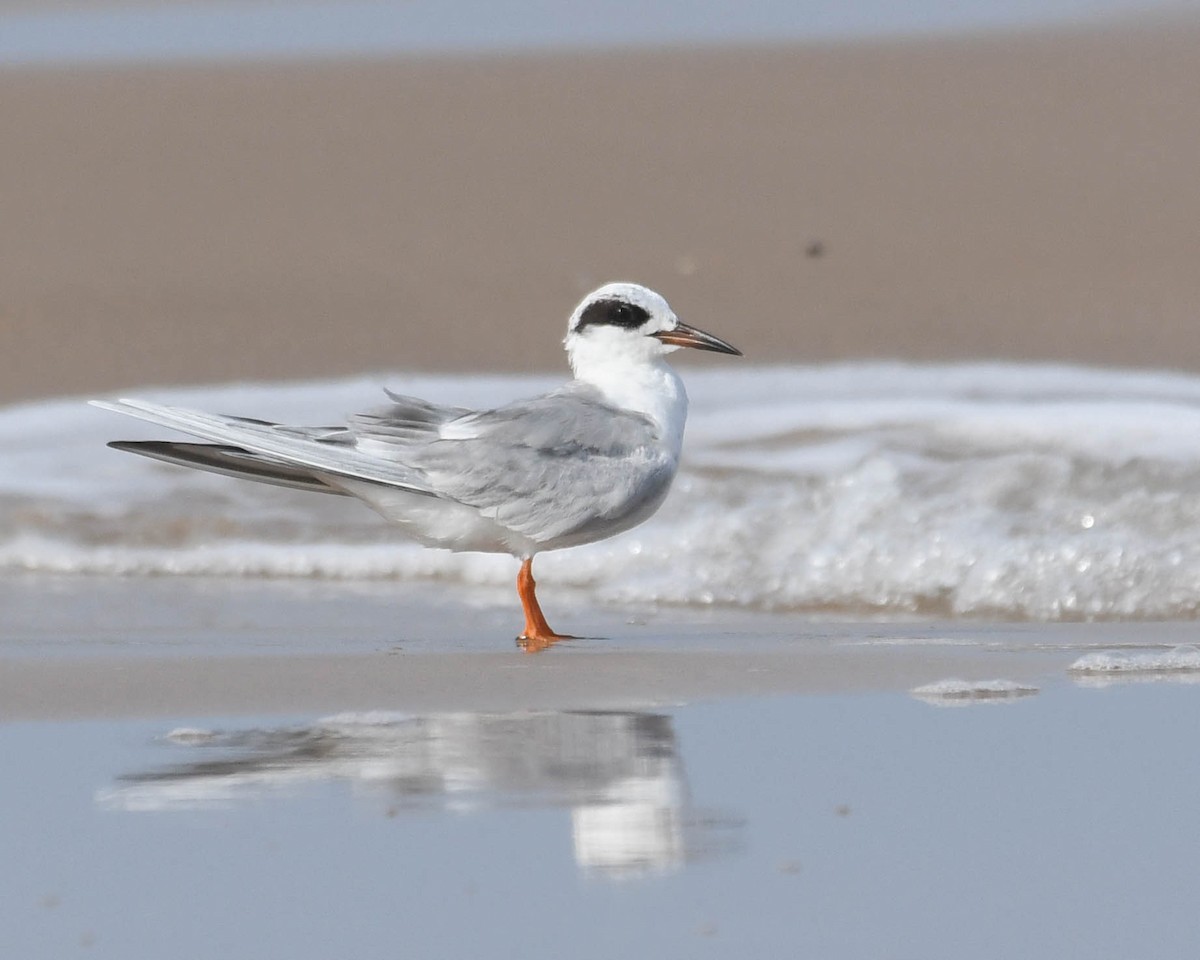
[195, 192]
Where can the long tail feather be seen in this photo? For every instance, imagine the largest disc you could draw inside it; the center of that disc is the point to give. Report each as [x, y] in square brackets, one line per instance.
[285, 444]
[229, 461]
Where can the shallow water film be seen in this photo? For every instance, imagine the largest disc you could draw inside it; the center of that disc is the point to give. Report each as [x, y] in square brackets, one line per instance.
[1057, 823]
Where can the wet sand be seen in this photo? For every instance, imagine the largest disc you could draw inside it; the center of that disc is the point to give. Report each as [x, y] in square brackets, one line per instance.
[84, 647]
[1023, 196]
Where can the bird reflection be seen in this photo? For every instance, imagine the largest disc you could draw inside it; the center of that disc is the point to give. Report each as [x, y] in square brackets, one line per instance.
[618, 772]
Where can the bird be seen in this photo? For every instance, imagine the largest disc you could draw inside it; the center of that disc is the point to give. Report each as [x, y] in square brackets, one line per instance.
[584, 462]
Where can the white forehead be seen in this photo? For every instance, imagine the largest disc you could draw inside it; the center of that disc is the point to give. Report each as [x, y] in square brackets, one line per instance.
[633, 293]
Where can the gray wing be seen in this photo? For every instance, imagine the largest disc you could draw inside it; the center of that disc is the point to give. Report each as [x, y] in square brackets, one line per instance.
[551, 466]
[405, 421]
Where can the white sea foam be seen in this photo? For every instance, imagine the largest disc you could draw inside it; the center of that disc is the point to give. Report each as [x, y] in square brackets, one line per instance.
[1185, 659]
[958, 693]
[990, 490]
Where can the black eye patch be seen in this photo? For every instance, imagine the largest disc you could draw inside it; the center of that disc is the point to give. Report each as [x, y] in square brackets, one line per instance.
[613, 313]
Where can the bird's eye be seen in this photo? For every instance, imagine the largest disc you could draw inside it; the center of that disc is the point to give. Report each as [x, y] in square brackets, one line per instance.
[620, 313]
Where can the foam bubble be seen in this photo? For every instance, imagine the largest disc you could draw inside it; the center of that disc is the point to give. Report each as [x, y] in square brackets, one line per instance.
[958, 693]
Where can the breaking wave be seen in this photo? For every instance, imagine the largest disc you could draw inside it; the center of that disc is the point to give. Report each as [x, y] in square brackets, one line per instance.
[1010, 491]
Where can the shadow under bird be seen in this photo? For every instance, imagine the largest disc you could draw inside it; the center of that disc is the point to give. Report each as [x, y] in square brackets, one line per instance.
[584, 462]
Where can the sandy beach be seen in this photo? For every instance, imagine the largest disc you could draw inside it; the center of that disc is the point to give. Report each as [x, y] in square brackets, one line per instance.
[1023, 196]
[347, 756]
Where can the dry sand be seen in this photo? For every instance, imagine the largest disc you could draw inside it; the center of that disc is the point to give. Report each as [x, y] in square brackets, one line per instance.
[1019, 196]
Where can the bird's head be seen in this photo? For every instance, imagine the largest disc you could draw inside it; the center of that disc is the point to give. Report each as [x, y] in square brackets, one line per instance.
[624, 323]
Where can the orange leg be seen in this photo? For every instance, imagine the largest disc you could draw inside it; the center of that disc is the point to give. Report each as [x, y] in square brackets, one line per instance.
[537, 635]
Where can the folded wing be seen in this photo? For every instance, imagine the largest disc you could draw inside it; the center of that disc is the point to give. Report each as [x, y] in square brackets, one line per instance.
[555, 466]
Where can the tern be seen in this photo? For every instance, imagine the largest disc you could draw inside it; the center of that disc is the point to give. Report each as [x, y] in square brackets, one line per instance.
[589, 460]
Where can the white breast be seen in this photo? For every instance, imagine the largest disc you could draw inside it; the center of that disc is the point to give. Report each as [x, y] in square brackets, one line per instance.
[631, 380]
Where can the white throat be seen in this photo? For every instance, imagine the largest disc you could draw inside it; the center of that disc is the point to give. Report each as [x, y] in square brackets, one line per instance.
[634, 375]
